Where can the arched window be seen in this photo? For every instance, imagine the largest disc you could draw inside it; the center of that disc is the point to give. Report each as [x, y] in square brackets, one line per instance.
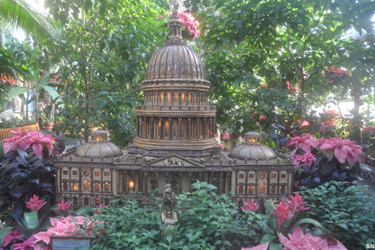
[183, 98]
[251, 189]
[262, 187]
[162, 97]
[86, 184]
[190, 98]
[240, 189]
[155, 98]
[169, 97]
[176, 97]
[97, 186]
[97, 201]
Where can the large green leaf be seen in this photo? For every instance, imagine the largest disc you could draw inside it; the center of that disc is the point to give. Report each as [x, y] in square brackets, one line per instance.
[313, 222]
[16, 91]
[3, 233]
[31, 219]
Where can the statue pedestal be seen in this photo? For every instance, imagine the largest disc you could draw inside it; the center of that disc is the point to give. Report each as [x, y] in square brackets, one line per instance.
[169, 221]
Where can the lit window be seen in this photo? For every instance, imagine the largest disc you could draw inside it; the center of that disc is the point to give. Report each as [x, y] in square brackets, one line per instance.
[261, 187]
[86, 173]
[97, 186]
[65, 172]
[75, 172]
[251, 189]
[241, 176]
[176, 97]
[190, 98]
[106, 186]
[273, 176]
[75, 186]
[183, 97]
[262, 176]
[97, 173]
[240, 189]
[251, 176]
[169, 97]
[97, 201]
[283, 176]
[106, 173]
[162, 97]
[86, 184]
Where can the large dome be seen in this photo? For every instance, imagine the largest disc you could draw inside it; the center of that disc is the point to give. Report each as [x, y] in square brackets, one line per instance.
[247, 151]
[175, 61]
[99, 146]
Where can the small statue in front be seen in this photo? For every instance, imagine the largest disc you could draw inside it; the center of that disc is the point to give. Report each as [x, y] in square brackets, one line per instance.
[168, 200]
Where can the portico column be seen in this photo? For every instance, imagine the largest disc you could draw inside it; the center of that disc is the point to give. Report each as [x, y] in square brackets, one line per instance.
[188, 129]
[204, 129]
[145, 182]
[152, 128]
[161, 128]
[144, 127]
[211, 135]
[197, 129]
[136, 126]
[179, 129]
[170, 128]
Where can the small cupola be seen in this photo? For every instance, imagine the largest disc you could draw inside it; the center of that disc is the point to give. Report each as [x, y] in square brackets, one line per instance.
[99, 136]
[253, 137]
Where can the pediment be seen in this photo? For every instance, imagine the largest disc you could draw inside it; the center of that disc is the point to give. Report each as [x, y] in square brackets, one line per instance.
[174, 161]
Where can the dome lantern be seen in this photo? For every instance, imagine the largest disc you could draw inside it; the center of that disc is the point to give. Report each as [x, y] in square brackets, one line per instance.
[253, 137]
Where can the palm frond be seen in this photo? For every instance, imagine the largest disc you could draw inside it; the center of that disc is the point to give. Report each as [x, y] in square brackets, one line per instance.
[20, 14]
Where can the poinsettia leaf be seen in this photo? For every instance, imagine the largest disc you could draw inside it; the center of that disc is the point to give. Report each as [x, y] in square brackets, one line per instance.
[329, 154]
[317, 224]
[3, 232]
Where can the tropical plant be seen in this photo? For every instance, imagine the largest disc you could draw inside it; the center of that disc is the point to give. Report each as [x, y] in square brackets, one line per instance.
[27, 169]
[345, 210]
[320, 161]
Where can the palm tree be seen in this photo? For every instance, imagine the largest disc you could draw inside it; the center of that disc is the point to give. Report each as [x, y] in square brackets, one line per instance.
[22, 15]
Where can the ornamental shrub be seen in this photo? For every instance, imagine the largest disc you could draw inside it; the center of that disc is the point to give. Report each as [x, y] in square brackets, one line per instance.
[345, 210]
[205, 221]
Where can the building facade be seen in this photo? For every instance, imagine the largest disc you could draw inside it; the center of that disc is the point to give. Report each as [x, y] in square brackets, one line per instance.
[174, 143]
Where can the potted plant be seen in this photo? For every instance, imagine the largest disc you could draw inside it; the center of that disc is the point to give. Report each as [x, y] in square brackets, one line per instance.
[47, 117]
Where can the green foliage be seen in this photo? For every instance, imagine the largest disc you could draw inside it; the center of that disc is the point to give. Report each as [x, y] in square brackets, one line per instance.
[344, 210]
[14, 121]
[205, 221]
[279, 42]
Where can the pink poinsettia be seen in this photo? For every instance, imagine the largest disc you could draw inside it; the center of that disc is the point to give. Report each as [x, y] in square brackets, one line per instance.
[282, 212]
[344, 149]
[12, 235]
[190, 23]
[26, 245]
[260, 247]
[251, 206]
[64, 206]
[34, 204]
[25, 140]
[304, 160]
[298, 241]
[304, 142]
[296, 204]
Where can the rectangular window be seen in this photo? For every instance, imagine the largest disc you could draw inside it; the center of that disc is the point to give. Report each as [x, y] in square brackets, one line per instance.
[241, 176]
[283, 176]
[65, 172]
[251, 189]
[86, 201]
[97, 186]
[75, 186]
[252, 176]
[97, 201]
[106, 186]
[240, 189]
[106, 202]
[65, 185]
[97, 173]
[106, 173]
[282, 189]
[75, 201]
[273, 189]
[75, 172]
[273, 176]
